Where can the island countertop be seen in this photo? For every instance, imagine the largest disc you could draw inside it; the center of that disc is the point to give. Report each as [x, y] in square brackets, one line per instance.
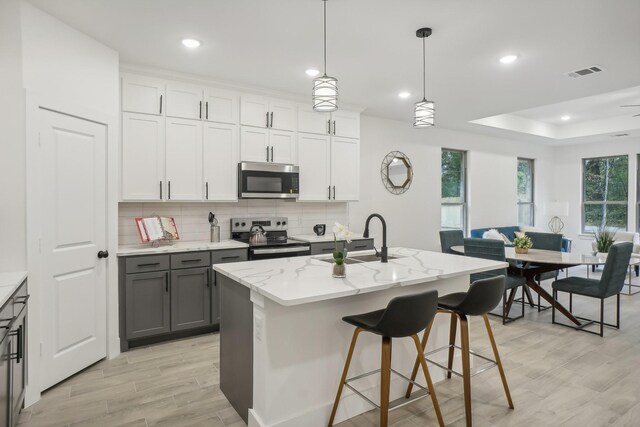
[300, 280]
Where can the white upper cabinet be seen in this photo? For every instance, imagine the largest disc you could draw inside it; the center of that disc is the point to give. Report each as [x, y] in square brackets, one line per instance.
[142, 157]
[184, 101]
[314, 159]
[254, 144]
[220, 155]
[142, 94]
[263, 112]
[282, 147]
[184, 159]
[254, 111]
[310, 121]
[345, 124]
[345, 168]
[221, 106]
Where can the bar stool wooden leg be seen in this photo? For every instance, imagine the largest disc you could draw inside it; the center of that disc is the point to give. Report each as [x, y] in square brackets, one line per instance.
[385, 381]
[414, 373]
[466, 367]
[452, 341]
[427, 377]
[498, 361]
[344, 374]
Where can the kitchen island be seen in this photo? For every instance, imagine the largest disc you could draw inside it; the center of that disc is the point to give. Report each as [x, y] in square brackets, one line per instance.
[283, 343]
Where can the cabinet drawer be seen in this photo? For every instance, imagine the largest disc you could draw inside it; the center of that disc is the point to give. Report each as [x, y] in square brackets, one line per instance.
[323, 248]
[190, 260]
[20, 299]
[6, 317]
[232, 255]
[360, 245]
[143, 264]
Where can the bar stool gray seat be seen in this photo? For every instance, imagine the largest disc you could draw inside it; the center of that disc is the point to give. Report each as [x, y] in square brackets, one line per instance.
[404, 316]
[611, 282]
[482, 297]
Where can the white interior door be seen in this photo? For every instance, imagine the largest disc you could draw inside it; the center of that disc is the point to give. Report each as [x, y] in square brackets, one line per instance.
[220, 161]
[73, 219]
[314, 160]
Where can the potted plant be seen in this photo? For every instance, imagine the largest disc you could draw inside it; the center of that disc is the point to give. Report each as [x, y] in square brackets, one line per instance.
[340, 232]
[604, 238]
[522, 244]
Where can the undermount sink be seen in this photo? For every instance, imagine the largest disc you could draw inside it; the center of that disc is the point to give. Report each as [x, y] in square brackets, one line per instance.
[359, 259]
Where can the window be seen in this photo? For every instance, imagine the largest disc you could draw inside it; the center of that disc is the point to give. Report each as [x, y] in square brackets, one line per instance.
[454, 190]
[605, 189]
[525, 192]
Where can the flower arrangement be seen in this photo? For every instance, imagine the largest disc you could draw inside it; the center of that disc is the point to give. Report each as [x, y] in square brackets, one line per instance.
[340, 232]
[522, 244]
[604, 238]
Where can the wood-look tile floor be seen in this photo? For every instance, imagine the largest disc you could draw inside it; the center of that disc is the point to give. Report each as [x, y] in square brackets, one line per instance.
[558, 376]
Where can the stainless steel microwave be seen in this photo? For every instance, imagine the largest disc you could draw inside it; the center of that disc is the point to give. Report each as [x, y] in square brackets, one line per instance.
[268, 181]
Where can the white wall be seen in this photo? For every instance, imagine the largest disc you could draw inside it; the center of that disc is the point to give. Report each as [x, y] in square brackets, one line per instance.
[413, 218]
[12, 161]
[568, 176]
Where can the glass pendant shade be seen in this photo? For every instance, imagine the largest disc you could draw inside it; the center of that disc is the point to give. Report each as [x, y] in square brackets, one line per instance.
[424, 114]
[325, 93]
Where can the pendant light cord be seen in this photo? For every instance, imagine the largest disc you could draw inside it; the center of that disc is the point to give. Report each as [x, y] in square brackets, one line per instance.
[324, 2]
[424, 70]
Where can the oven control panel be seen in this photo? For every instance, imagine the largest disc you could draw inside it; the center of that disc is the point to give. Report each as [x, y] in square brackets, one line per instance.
[239, 225]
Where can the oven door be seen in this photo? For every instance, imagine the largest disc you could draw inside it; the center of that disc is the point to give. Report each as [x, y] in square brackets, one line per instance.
[279, 252]
[268, 181]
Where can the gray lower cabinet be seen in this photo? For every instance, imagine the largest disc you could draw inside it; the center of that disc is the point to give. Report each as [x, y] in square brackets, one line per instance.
[190, 298]
[328, 247]
[5, 380]
[148, 304]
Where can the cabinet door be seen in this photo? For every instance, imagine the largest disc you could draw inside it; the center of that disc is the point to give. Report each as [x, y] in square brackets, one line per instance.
[184, 101]
[221, 106]
[310, 121]
[190, 298]
[314, 157]
[5, 381]
[282, 147]
[220, 161]
[345, 168]
[253, 111]
[184, 159]
[142, 157]
[254, 143]
[147, 304]
[345, 124]
[18, 365]
[282, 115]
[142, 95]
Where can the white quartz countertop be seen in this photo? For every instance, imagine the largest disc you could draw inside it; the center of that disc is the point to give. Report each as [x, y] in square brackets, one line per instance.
[146, 249]
[328, 237]
[9, 282]
[305, 279]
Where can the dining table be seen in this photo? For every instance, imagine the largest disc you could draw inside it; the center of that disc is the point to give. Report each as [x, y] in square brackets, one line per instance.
[536, 261]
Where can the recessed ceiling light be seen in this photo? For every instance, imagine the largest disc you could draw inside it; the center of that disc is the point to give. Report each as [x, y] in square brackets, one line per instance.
[508, 59]
[565, 118]
[312, 72]
[404, 95]
[191, 43]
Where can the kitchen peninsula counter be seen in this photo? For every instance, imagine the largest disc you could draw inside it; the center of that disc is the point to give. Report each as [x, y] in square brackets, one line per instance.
[282, 340]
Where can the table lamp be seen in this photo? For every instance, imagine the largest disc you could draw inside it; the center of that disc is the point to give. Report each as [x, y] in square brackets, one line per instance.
[556, 210]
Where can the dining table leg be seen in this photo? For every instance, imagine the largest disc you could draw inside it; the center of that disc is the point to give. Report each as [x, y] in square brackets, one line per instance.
[549, 298]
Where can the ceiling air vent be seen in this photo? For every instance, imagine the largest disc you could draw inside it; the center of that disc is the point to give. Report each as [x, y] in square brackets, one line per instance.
[586, 71]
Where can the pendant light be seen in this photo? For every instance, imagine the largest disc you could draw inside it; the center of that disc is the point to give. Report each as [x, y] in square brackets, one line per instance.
[325, 88]
[424, 110]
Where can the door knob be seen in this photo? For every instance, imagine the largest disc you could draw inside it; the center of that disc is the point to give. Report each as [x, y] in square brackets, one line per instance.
[103, 254]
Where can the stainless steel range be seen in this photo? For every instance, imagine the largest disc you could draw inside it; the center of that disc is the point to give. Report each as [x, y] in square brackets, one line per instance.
[277, 243]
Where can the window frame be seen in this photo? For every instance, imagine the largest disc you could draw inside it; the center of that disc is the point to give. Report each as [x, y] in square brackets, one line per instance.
[532, 203]
[584, 203]
[638, 193]
[464, 202]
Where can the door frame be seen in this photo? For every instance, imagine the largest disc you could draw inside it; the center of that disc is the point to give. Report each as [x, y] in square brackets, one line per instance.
[34, 102]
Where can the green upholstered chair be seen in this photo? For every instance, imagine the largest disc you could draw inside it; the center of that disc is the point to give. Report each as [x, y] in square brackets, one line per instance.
[547, 242]
[494, 250]
[449, 238]
[610, 284]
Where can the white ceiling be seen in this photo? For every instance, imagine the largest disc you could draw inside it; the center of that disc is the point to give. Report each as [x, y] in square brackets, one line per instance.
[373, 51]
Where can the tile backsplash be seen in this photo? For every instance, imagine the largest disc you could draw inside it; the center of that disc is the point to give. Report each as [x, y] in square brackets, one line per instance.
[192, 223]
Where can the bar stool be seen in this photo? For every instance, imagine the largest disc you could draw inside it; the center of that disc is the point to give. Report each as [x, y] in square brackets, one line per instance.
[404, 316]
[482, 297]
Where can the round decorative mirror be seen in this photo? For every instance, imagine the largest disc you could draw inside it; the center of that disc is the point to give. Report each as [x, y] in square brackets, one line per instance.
[396, 172]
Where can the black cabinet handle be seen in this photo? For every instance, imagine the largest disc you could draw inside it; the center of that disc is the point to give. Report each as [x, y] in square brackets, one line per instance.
[160, 104]
[272, 153]
[327, 250]
[231, 257]
[22, 300]
[20, 344]
[149, 264]
[160, 190]
[334, 192]
[200, 108]
[329, 127]
[267, 122]
[329, 192]
[360, 246]
[208, 278]
[166, 282]
[334, 127]
[267, 153]
[169, 190]
[103, 254]
[206, 108]
[271, 122]
[206, 186]
[8, 324]
[192, 260]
